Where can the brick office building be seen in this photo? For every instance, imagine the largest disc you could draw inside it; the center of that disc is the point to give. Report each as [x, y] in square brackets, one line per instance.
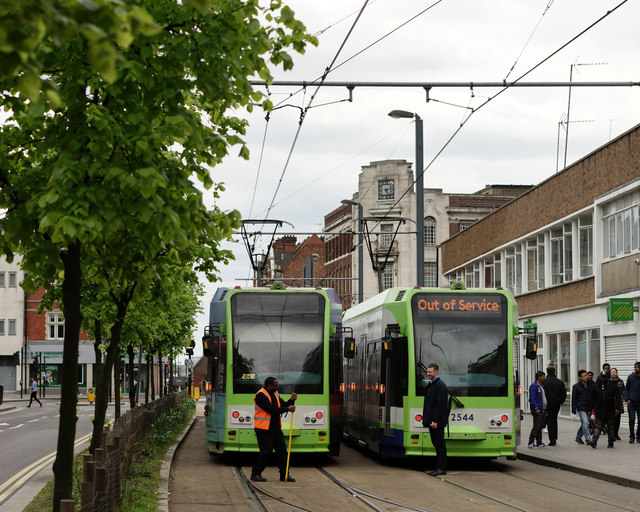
[565, 248]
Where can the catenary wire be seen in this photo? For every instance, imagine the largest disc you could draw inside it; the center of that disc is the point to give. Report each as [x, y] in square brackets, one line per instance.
[491, 98]
[303, 114]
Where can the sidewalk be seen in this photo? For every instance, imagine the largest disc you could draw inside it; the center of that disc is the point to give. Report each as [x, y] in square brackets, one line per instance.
[11, 399]
[620, 464]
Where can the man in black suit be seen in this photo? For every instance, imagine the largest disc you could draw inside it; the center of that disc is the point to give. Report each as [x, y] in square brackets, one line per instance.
[435, 416]
[556, 393]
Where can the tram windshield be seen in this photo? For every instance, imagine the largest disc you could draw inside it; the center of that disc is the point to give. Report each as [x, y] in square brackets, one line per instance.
[466, 335]
[278, 335]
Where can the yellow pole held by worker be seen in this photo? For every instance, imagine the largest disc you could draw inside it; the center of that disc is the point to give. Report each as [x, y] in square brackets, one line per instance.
[286, 473]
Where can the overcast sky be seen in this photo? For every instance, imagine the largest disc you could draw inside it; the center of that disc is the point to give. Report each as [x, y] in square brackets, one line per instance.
[513, 139]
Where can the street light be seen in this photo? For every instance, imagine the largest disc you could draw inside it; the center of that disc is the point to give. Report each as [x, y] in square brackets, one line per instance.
[403, 114]
[360, 249]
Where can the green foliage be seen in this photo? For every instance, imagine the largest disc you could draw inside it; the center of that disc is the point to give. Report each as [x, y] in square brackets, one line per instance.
[164, 430]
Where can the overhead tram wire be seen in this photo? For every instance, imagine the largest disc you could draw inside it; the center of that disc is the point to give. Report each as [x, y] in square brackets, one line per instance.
[529, 40]
[508, 86]
[303, 114]
[365, 48]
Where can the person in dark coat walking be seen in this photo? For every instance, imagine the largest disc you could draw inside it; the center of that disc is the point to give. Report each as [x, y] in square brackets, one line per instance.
[556, 393]
[435, 416]
[606, 399]
[632, 399]
[620, 401]
[268, 429]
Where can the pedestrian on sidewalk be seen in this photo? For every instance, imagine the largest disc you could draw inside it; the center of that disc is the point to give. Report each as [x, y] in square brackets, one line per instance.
[34, 392]
[556, 393]
[632, 399]
[582, 395]
[620, 401]
[605, 408]
[538, 406]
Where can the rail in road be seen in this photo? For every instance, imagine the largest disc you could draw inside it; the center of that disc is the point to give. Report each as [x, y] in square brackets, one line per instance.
[358, 481]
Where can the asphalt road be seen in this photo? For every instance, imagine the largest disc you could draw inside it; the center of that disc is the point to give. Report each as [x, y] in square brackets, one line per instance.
[28, 440]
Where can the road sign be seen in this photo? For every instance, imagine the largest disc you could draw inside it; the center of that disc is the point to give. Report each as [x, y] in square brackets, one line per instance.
[189, 363]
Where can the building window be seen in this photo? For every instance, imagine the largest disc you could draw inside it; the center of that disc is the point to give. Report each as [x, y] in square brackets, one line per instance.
[585, 248]
[12, 327]
[2, 285]
[588, 348]
[621, 225]
[55, 326]
[513, 269]
[540, 262]
[465, 225]
[492, 271]
[385, 190]
[429, 231]
[532, 265]
[430, 274]
[12, 279]
[387, 235]
[561, 254]
[472, 275]
[387, 276]
[2, 333]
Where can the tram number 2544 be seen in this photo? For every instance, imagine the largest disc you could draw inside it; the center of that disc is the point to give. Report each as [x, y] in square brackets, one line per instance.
[460, 417]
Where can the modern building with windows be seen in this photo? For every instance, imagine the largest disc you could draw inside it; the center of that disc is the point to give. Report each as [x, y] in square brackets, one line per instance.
[568, 249]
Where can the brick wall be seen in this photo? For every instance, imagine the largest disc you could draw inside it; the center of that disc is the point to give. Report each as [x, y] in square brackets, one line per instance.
[566, 296]
[564, 193]
[37, 323]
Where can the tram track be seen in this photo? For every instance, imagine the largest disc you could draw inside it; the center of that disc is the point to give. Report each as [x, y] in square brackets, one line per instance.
[257, 493]
[591, 501]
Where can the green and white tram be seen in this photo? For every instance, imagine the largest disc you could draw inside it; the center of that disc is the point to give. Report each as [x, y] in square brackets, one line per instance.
[290, 334]
[469, 334]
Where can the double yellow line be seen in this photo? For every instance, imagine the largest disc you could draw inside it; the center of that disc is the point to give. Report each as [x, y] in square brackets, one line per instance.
[16, 481]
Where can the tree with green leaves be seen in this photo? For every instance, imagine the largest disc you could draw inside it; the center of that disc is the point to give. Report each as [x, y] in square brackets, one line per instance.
[106, 177]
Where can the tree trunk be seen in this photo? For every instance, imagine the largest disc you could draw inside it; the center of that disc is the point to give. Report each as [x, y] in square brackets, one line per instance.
[132, 385]
[138, 380]
[97, 341]
[171, 375]
[153, 379]
[71, 288]
[116, 385]
[102, 389]
[161, 383]
[146, 380]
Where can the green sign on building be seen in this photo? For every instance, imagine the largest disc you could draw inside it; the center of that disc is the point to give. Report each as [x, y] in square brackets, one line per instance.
[620, 310]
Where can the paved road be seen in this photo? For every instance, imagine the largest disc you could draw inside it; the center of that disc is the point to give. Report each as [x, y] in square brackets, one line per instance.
[28, 439]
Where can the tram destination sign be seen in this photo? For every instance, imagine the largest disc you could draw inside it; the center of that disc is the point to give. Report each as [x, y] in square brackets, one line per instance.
[620, 310]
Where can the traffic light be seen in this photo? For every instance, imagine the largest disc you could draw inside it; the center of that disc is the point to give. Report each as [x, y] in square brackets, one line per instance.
[532, 347]
[189, 352]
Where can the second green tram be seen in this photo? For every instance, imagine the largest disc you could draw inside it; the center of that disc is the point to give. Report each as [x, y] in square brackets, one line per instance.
[292, 334]
[470, 334]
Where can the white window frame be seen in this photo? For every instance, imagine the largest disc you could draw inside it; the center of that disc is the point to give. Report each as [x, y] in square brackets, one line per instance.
[55, 326]
[12, 326]
[430, 231]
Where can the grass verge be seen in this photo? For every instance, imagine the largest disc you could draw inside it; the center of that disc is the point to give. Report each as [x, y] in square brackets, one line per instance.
[141, 474]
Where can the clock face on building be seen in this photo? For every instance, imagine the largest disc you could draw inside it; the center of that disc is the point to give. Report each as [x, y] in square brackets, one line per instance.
[385, 189]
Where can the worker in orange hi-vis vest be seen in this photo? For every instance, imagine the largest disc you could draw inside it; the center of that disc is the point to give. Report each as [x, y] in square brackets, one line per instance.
[268, 429]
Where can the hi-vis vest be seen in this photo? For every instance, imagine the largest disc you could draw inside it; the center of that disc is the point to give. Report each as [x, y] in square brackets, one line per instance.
[262, 418]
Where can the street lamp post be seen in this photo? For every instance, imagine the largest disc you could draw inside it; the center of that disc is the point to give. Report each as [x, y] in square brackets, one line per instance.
[403, 114]
[360, 248]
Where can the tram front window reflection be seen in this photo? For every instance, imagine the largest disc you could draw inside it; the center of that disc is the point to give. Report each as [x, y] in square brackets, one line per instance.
[466, 334]
[278, 335]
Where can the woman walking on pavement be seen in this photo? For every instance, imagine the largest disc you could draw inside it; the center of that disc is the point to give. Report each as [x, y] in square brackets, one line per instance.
[34, 392]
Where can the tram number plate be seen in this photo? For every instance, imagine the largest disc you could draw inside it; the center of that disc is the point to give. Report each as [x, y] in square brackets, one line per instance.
[460, 417]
